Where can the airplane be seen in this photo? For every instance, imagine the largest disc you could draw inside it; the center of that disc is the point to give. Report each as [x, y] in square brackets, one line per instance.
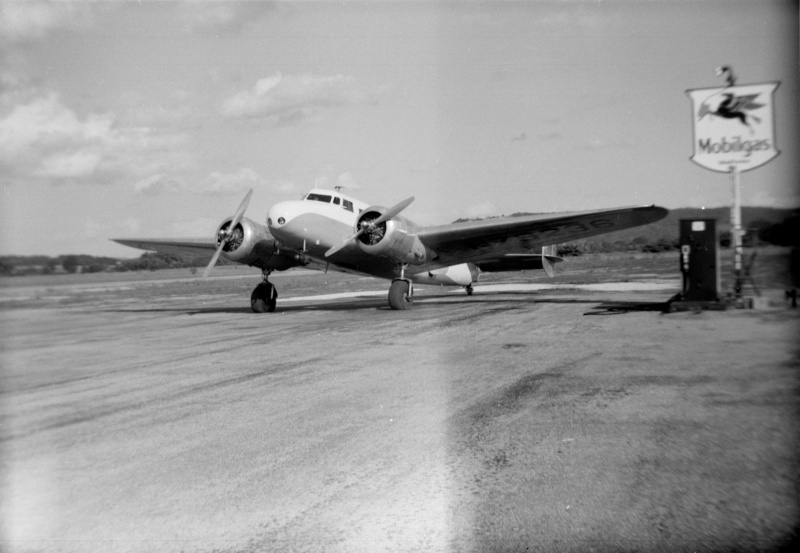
[328, 230]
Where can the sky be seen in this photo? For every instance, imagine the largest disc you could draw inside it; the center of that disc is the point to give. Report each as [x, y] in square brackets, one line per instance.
[153, 119]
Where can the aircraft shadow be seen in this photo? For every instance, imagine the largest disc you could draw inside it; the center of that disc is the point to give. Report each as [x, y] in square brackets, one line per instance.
[515, 299]
[282, 308]
[622, 307]
[185, 310]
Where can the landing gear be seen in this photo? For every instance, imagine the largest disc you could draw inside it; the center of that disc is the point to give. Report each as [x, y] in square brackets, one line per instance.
[469, 289]
[401, 294]
[265, 297]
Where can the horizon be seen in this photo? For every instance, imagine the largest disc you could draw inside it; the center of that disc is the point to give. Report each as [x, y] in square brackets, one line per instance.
[136, 253]
[121, 119]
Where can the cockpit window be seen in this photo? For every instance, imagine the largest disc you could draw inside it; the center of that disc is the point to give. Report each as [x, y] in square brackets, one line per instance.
[319, 198]
[337, 200]
[348, 205]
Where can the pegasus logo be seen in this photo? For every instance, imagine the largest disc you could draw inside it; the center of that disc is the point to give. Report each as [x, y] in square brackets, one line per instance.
[733, 107]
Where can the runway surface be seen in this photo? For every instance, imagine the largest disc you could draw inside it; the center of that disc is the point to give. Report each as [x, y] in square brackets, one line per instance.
[516, 419]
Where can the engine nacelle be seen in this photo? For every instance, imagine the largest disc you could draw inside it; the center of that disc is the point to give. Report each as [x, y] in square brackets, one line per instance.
[394, 239]
[463, 274]
[253, 245]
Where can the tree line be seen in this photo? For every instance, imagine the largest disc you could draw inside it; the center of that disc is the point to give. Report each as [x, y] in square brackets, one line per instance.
[70, 264]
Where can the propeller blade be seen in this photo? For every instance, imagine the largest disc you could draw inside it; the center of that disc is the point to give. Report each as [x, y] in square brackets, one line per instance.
[237, 218]
[392, 211]
[214, 259]
[240, 212]
[548, 266]
[335, 249]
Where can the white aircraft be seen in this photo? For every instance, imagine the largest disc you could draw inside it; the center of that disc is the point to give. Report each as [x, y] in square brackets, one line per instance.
[328, 230]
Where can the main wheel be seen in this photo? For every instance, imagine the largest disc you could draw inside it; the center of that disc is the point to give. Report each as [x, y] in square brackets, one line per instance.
[399, 296]
[264, 298]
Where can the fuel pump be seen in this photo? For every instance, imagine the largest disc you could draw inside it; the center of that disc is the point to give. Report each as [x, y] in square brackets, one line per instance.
[699, 261]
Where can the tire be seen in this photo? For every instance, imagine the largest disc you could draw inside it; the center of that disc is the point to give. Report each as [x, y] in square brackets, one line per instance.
[399, 297]
[264, 298]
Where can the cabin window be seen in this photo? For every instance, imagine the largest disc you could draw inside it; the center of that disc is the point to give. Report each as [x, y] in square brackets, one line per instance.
[337, 200]
[348, 205]
[319, 198]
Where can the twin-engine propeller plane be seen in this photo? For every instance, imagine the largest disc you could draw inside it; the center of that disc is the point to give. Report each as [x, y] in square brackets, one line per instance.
[329, 230]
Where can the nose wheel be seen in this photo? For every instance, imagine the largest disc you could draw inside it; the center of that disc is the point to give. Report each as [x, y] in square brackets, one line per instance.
[264, 297]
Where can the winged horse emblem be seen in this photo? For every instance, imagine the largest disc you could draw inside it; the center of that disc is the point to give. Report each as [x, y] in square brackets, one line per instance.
[734, 107]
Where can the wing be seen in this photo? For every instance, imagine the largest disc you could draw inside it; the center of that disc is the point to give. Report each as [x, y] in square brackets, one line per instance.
[203, 249]
[191, 247]
[746, 102]
[494, 238]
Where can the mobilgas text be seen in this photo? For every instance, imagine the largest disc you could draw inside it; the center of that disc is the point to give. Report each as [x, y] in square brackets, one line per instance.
[735, 144]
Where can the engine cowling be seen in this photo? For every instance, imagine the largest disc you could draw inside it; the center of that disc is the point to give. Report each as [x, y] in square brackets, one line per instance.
[253, 245]
[393, 239]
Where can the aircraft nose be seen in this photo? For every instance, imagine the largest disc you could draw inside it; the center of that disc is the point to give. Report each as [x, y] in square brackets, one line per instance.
[280, 214]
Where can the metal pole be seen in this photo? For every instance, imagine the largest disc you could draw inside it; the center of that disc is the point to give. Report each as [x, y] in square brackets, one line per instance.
[736, 231]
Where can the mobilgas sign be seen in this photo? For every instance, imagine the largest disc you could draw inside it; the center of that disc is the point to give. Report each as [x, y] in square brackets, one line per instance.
[734, 126]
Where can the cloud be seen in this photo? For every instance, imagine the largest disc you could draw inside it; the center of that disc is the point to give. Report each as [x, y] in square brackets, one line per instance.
[43, 140]
[158, 184]
[220, 16]
[171, 112]
[36, 129]
[215, 183]
[81, 163]
[223, 183]
[286, 99]
[31, 19]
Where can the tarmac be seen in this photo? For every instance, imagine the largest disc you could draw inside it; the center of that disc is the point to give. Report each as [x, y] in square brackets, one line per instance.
[566, 418]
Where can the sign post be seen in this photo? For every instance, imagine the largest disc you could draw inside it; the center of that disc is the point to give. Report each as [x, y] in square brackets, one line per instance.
[734, 131]
[736, 230]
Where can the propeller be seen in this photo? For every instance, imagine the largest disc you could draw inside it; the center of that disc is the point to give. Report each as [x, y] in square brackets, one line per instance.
[371, 225]
[226, 235]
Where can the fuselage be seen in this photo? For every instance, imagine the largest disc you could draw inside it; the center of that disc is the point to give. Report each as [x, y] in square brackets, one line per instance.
[322, 219]
[326, 218]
